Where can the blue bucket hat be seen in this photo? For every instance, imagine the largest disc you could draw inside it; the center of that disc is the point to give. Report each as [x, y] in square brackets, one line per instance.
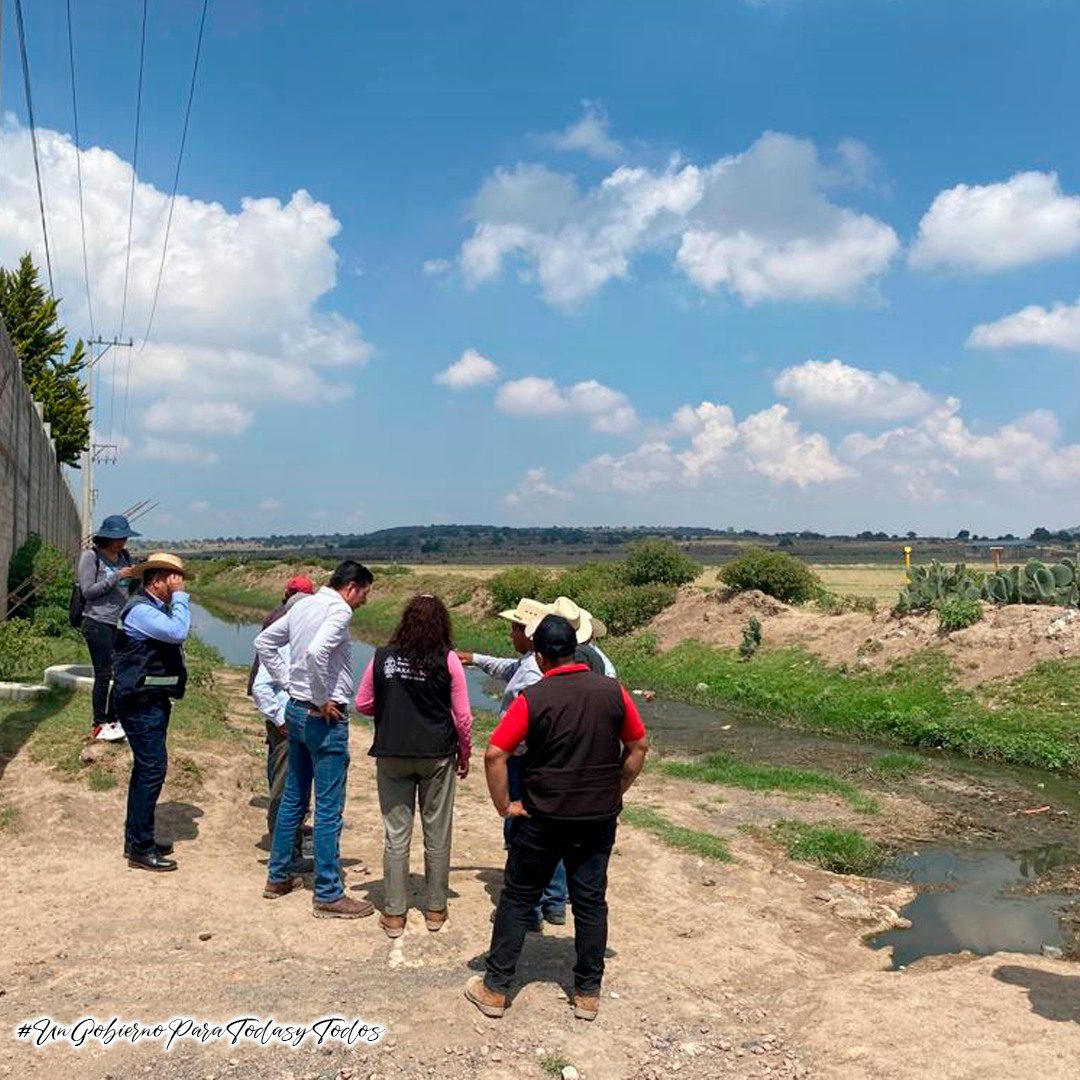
[115, 527]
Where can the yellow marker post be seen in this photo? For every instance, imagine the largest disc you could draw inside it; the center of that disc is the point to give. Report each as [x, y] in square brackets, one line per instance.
[907, 560]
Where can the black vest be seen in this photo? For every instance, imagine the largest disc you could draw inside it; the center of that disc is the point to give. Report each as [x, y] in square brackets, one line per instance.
[573, 767]
[145, 667]
[412, 710]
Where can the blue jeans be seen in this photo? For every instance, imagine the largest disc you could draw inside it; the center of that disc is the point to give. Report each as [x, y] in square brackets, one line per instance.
[319, 756]
[145, 720]
[554, 897]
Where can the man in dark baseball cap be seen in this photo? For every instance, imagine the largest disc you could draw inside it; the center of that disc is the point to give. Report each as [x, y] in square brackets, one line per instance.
[587, 745]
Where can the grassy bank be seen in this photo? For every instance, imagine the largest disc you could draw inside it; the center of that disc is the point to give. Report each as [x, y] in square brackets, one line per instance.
[1029, 721]
[53, 730]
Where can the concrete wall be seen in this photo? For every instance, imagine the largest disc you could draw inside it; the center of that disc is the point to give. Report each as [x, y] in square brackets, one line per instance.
[34, 495]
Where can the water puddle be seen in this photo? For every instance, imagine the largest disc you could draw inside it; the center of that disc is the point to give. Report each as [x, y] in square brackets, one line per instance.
[974, 901]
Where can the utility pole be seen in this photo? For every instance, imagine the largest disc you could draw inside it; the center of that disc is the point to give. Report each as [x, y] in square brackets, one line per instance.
[104, 453]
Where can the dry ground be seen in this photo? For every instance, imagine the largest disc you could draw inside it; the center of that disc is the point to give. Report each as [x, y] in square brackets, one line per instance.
[716, 970]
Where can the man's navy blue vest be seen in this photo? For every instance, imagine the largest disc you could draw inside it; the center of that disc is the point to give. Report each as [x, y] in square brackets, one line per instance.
[148, 666]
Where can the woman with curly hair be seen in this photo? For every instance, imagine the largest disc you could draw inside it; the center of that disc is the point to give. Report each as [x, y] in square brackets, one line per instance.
[415, 689]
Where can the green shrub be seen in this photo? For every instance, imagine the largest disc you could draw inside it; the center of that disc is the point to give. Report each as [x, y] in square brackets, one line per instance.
[41, 575]
[658, 562]
[52, 621]
[751, 638]
[774, 573]
[629, 607]
[590, 578]
[24, 654]
[509, 586]
[393, 570]
[958, 612]
[842, 603]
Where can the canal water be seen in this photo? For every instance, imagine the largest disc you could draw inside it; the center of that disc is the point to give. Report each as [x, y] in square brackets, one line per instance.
[969, 899]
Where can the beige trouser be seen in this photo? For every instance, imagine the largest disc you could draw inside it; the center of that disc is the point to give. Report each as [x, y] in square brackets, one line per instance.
[399, 780]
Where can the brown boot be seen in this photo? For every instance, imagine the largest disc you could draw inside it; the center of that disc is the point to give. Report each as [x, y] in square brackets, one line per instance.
[434, 920]
[344, 908]
[394, 925]
[272, 890]
[586, 1006]
[487, 1001]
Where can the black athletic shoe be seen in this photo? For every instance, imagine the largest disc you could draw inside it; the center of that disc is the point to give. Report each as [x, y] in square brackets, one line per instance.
[151, 860]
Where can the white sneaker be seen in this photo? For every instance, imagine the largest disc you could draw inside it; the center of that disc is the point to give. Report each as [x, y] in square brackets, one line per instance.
[110, 733]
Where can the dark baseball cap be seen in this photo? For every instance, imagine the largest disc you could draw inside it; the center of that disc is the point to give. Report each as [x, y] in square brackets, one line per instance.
[554, 638]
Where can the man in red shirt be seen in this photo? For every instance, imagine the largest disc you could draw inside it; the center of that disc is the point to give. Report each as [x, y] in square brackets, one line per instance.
[587, 745]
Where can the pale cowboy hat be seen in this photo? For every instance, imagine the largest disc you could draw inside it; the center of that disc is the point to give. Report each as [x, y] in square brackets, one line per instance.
[528, 613]
[162, 560]
[585, 624]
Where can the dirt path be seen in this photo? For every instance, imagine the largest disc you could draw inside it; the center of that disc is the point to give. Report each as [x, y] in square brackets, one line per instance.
[733, 970]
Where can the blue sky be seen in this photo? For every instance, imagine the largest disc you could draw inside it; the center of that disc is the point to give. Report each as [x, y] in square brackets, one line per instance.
[787, 264]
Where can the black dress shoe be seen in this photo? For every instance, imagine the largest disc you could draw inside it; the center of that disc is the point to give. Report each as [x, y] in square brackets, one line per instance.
[162, 849]
[150, 860]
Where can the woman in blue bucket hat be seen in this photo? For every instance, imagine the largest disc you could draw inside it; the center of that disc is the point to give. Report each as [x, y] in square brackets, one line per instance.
[104, 576]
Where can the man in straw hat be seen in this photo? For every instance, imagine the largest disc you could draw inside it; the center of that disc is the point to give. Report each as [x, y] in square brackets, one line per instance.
[149, 673]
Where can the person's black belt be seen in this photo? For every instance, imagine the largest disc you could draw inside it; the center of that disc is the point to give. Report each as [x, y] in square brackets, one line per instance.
[314, 710]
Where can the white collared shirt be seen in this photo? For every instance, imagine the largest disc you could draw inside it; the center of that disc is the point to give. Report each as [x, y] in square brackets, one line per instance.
[271, 697]
[319, 668]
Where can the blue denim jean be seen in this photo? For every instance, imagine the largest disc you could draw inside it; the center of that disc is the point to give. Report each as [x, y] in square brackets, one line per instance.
[319, 757]
[554, 897]
[145, 720]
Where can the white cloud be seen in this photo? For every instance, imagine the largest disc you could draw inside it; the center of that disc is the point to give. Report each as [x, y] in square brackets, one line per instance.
[608, 411]
[775, 446]
[172, 452]
[534, 486]
[239, 320]
[472, 369]
[589, 134]
[200, 506]
[205, 418]
[766, 443]
[269, 506]
[436, 267]
[1057, 327]
[758, 224]
[1026, 219]
[833, 387]
[766, 230]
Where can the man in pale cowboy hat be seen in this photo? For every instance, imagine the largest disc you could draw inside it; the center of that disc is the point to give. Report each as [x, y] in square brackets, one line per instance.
[587, 628]
[103, 576]
[519, 674]
[149, 673]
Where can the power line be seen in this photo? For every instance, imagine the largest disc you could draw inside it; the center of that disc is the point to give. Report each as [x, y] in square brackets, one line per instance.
[134, 166]
[78, 170]
[131, 202]
[33, 136]
[176, 177]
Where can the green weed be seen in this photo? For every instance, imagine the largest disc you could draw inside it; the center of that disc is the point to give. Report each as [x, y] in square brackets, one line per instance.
[758, 776]
[898, 763]
[832, 847]
[707, 845]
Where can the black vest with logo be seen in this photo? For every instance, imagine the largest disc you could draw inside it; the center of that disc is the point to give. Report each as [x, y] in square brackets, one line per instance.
[412, 709]
[146, 667]
[573, 767]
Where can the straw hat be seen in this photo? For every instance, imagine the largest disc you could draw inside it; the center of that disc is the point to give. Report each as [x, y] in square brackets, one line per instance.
[162, 560]
[586, 626]
[528, 613]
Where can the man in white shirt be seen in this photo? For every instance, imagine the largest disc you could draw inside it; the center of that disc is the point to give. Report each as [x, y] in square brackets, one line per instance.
[319, 677]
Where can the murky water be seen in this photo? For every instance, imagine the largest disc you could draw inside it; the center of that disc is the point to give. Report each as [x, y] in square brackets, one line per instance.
[235, 641]
[970, 900]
